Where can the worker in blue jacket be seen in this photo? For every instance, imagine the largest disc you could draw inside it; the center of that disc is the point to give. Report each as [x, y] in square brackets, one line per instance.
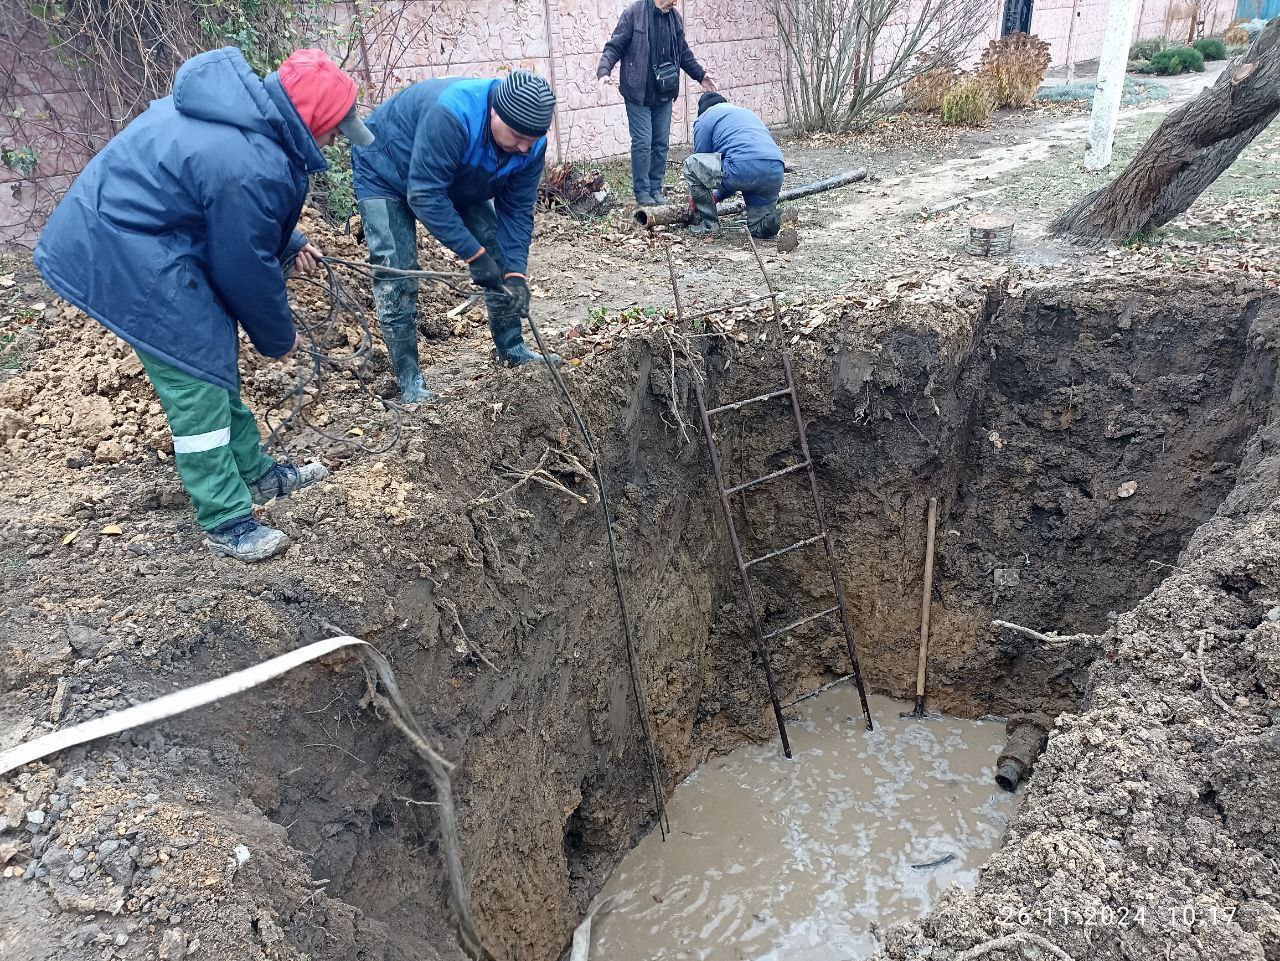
[733, 153]
[176, 236]
[464, 157]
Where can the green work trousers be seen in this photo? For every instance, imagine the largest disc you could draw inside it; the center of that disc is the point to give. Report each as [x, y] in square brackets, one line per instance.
[215, 442]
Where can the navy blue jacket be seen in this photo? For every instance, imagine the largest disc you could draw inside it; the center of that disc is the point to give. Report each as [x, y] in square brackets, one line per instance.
[175, 231]
[434, 151]
[740, 136]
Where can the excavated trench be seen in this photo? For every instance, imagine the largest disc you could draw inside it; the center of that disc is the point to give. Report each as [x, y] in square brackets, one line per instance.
[1075, 439]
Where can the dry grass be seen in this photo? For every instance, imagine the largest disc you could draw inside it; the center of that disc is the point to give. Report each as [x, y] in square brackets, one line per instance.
[1236, 36]
[969, 103]
[925, 91]
[1013, 68]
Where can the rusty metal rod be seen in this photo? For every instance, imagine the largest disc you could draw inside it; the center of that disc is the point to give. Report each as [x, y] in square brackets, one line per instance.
[738, 405]
[804, 620]
[767, 477]
[669, 214]
[785, 550]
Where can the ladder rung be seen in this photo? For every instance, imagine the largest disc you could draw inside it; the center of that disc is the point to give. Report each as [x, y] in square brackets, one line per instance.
[750, 400]
[768, 477]
[787, 550]
[803, 620]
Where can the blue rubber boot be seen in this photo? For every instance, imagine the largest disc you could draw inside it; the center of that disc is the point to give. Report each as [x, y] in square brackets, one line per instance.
[508, 337]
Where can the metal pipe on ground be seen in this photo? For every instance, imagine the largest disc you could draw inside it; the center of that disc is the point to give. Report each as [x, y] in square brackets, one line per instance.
[1028, 735]
[670, 214]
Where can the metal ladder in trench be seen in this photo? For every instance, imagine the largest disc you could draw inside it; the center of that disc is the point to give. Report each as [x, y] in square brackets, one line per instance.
[761, 637]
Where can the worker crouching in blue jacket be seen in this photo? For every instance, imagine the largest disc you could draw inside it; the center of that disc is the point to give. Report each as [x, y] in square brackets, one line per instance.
[176, 235]
[733, 153]
[464, 157]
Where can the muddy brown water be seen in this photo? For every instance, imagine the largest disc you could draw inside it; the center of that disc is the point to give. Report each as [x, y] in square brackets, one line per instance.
[805, 859]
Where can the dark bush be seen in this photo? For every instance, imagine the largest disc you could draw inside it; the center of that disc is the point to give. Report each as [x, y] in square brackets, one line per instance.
[1146, 49]
[1211, 48]
[1177, 60]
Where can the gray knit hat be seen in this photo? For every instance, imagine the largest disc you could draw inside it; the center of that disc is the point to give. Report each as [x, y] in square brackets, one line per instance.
[525, 102]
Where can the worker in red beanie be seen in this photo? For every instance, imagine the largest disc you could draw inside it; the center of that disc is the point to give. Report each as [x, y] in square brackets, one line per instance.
[324, 97]
[176, 237]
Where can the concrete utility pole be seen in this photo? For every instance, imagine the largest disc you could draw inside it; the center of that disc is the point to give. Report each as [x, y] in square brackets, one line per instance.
[1106, 99]
[1071, 45]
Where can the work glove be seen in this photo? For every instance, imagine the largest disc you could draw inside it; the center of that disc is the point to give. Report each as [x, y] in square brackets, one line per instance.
[518, 290]
[486, 272]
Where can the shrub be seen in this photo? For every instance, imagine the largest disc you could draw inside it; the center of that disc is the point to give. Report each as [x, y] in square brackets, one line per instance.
[968, 104]
[1012, 67]
[333, 191]
[1146, 49]
[1177, 60]
[925, 91]
[1135, 92]
[1211, 48]
[1236, 36]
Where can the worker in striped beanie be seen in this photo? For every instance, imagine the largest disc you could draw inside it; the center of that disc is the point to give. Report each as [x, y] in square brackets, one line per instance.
[463, 157]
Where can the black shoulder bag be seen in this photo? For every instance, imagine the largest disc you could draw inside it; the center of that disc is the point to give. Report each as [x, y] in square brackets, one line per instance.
[666, 73]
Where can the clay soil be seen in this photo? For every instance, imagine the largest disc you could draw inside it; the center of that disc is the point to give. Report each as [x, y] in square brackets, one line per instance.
[1101, 436]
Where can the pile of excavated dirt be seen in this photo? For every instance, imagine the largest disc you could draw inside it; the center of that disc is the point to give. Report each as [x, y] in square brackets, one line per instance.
[1089, 443]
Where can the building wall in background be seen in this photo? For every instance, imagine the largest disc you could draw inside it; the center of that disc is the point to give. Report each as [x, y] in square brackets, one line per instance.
[1051, 22]
[562, 40]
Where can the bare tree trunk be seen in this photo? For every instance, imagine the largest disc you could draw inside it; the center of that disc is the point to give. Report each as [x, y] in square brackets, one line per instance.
[1187, 153]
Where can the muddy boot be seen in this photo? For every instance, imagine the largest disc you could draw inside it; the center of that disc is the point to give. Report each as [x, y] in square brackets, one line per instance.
[509, 340]
[284, 478]
[704, 205]
[246, 540]
[764, 221]
[402, 345]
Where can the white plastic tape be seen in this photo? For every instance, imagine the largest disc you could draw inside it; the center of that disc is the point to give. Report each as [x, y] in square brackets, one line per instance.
[171, 704]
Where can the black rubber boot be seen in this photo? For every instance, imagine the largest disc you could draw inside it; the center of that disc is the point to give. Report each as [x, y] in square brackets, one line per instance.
[704, 204]
[402, 345]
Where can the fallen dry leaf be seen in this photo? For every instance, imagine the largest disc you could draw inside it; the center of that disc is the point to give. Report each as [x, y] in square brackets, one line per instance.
[70, 537]
[112, 529]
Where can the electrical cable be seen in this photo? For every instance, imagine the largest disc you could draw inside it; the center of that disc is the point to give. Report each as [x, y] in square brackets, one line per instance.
[642, 707]
[341, 298]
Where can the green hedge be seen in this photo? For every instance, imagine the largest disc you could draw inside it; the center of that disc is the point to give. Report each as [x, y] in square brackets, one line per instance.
[1177, 60]
[1211, 48]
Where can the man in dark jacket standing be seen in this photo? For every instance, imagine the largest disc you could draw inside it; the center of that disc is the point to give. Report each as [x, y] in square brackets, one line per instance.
[733, 153]
[649, 40]
[464, 157]
[176, 237]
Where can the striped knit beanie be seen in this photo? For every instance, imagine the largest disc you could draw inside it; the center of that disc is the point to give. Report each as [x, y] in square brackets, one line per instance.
[525, 102]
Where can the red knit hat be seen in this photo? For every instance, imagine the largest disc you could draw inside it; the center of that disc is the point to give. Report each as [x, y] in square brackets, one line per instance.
[322, 94]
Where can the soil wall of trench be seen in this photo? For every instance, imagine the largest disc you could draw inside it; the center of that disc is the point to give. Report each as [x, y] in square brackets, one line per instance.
[1075, 437]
